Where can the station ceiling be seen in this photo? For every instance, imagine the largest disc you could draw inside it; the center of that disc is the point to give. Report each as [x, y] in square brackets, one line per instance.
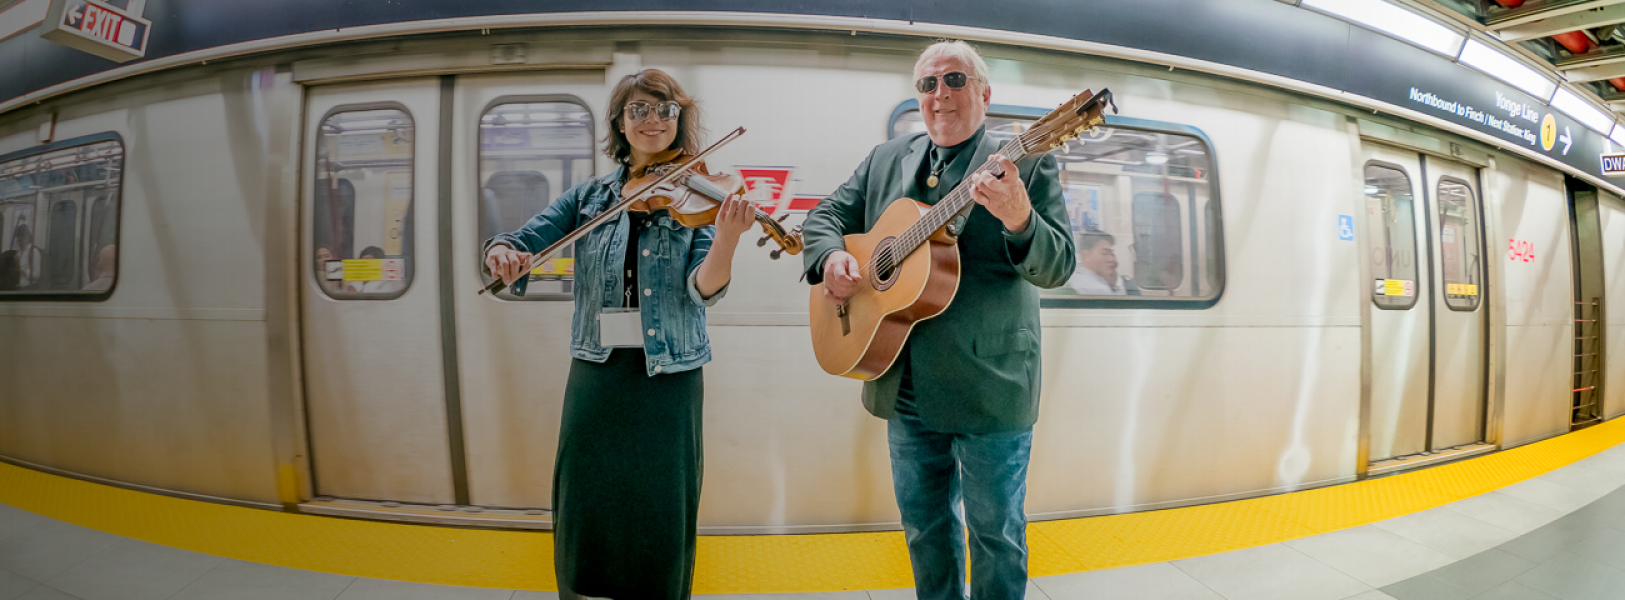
[1582, 41]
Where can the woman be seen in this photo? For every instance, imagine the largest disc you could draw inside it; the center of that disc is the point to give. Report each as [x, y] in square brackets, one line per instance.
[626, 486]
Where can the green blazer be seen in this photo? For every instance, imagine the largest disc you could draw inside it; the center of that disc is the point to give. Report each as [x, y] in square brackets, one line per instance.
[975, 367]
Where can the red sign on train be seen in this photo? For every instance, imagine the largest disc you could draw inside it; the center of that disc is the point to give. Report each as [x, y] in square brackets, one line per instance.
[766, 185]
[1520, 251]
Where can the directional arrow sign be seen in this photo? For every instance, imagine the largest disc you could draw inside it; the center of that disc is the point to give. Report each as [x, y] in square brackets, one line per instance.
[1567, 140]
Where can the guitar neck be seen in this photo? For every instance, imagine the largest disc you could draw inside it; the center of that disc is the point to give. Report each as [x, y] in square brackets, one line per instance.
[955, 201]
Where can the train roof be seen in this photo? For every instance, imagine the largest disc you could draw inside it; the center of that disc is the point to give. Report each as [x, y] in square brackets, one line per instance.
[1268, 40]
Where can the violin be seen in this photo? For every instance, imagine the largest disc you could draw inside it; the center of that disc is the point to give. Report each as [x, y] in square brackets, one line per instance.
[694, 198]
[672, 186]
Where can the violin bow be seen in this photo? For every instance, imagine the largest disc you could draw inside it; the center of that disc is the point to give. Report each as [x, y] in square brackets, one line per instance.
[612, 212]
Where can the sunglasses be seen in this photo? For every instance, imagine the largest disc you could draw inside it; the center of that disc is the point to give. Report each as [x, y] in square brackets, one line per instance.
[955, 80]
[639, 110]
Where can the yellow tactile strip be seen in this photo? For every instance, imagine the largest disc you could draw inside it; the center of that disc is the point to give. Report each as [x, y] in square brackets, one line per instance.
[772, 563]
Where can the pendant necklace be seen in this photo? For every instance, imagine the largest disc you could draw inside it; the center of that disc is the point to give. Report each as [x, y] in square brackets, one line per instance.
[936, 169]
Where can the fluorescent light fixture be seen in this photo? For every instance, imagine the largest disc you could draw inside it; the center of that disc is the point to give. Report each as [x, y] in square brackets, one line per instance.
[1395, 21]
[1372, 190]
[1618, 135]
[1582, 111]
[22, 16]
[1506, 68]
[1156, 158]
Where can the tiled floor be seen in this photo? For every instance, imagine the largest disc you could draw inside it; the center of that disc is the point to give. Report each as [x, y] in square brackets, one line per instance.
[1560, 536]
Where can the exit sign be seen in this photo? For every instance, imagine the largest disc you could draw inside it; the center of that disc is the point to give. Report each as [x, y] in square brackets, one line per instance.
[98, 28]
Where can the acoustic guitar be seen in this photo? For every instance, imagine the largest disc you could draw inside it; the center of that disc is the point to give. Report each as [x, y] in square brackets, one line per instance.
[909, 260]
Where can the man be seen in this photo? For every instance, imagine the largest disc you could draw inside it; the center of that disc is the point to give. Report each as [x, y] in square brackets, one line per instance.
[1098, 275]
[961, 400]
[102, 273]
[28, 256]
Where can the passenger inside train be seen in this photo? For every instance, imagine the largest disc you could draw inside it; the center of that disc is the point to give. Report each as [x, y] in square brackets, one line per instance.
[1096, 274]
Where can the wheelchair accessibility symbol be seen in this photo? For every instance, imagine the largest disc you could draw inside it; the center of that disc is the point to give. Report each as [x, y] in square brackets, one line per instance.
[1345, 228]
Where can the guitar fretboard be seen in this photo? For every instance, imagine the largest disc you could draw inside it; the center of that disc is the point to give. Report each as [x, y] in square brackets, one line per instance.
[945, 210]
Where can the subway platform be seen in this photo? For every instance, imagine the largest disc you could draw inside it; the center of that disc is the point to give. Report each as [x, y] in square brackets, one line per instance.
[1542, 521]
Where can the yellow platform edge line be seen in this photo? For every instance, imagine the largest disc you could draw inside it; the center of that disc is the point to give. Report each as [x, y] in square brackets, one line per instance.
[764, 564]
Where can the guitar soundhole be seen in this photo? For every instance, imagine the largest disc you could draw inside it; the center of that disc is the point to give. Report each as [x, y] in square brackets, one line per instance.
[884, 265]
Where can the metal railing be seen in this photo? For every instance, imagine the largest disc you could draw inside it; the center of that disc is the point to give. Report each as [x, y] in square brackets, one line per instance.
[1588, 325]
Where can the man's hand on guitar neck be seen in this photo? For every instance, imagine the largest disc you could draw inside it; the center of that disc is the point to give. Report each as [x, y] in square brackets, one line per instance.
[1004, 195]
[841, 276]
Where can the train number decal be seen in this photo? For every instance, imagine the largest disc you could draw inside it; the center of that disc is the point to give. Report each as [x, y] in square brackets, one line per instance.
[1520, 250]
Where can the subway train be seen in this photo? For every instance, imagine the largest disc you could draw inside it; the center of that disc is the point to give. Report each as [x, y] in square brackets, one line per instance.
[252, 278]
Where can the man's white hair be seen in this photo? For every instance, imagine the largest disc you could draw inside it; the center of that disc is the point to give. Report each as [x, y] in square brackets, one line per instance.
[957, 49]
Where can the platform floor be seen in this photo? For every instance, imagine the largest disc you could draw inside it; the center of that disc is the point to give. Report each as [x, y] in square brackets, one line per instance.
[1558, 535]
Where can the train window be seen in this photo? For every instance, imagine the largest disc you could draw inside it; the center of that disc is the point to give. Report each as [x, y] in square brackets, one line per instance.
[1142, 203]
[1390, 217]
[363, 199]
[1458, 244]
[531, 151]
[59, 237]
[46, 193]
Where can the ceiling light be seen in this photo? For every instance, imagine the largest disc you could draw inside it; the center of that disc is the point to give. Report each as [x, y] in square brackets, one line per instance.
[1506, 68]
[1156, 158]
[22, 16]
[1582, 111]
[1371, 190]
[1396, 21]
[1618, 135]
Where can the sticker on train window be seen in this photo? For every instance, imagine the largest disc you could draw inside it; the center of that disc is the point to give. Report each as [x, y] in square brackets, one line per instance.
[1401, 288]
[363, 269]
[555, 267]
[394, 269]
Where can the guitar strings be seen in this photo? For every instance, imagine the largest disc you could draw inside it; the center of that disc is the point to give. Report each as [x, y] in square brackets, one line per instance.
[887, 259]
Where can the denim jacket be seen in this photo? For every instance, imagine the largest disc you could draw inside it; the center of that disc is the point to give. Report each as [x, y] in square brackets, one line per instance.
[672, 310]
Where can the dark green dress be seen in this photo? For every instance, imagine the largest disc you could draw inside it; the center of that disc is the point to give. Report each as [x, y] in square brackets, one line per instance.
[626, 486]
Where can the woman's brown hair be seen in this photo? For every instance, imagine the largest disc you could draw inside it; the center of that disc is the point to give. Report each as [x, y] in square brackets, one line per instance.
[657, 83]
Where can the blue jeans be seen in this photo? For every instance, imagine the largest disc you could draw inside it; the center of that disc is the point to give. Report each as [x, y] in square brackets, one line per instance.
[931, 473]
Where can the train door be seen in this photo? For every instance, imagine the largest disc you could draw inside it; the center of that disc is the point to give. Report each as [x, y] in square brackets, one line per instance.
[1590, 304]
[518, 142]
[1457, 260]
[1399, 329]
[373, 362]
[1427, 322]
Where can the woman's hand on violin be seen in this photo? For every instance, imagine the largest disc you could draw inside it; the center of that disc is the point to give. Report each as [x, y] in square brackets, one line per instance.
[735, 217]
[506, 263]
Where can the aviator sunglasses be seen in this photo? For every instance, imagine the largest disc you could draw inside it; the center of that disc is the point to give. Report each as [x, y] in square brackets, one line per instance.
[639, 110]
[954, 81]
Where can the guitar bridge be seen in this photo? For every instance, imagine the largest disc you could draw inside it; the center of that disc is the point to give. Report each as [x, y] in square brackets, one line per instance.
[846, 324]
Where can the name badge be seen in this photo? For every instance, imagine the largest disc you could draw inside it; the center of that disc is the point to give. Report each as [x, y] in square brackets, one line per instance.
[620, 328]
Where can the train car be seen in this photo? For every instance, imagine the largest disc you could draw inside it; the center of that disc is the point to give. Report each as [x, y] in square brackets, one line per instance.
[252, 274]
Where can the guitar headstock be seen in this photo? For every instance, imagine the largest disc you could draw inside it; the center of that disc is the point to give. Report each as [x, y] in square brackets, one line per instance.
[1083, 112]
